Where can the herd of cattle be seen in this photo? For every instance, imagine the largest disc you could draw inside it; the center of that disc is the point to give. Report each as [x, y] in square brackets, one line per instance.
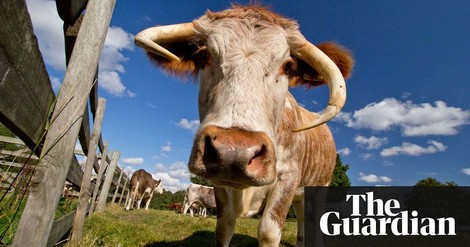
[255, 143]
[198, 198]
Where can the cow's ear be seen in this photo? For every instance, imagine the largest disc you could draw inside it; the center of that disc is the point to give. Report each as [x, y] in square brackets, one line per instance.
[303, 74]
[185, 51]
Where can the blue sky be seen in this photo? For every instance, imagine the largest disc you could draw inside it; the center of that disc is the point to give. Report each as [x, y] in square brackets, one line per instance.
[408, 107]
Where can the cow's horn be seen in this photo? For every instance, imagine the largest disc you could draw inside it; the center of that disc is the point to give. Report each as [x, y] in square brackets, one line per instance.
[335, 81]
[151, 39]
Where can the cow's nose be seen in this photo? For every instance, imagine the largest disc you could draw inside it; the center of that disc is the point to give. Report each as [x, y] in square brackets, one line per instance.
[233, 155]
[231, 150]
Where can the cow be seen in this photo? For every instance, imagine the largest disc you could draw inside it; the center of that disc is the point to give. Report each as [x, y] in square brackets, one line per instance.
[177, 207]
[199, 196]
[255, 143]
[142, 187]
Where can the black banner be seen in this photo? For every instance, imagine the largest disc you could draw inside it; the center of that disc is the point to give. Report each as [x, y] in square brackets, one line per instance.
[387, 216]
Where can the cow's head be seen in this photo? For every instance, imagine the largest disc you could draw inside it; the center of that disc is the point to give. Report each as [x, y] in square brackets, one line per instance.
[246, 58]
[158, 186]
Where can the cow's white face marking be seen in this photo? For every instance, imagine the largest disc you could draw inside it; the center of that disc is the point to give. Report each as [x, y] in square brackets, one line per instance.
[243, 84]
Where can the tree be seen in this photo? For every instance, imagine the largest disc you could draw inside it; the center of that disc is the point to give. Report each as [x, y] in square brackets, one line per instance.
[340, 178]
[202, 181]
[432, 182]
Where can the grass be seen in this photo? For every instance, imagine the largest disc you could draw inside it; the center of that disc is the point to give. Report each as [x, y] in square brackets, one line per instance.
[116, 227]
[11, 210]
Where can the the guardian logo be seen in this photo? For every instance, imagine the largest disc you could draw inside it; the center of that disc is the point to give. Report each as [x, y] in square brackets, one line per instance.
[382, 218]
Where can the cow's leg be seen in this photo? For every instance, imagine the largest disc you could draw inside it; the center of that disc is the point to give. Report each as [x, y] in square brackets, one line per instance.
[128, 201]
[299, 207]
[226, 218]
[275, 212]
[187, 207]
[191, 210]
[134, 195]
[186, 204]
[148, 201]
[204, 212]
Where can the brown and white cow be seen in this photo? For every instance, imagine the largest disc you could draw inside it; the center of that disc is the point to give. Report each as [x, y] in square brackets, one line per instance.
[199, 196]
[141, 188]
[255, 143]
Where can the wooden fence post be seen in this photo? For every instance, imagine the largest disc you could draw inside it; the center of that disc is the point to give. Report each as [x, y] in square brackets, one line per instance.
[117, 186]
[57, 153]
[107, 181]
[123, 190]
[103, 165]
[82, 208]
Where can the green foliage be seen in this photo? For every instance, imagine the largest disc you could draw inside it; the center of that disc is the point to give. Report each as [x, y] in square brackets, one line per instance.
[432, 182]
[340, 178]
[11, 209]
[161, 201]
[201, 181]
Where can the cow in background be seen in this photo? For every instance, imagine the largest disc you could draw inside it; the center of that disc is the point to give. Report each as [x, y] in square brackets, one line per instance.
[199, 196]
[142, 187]
[177, 207]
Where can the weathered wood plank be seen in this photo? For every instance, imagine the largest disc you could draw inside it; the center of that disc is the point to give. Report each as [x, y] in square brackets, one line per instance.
[25, 90]
[9, 163]
[99, 177]
[118, 184]
[38, 214]
[79, 220]
[122, 192]
[60, 227]
[107, 181]
[11, 140]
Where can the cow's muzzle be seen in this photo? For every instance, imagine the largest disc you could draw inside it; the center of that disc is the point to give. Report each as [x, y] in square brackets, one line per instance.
[233, 157]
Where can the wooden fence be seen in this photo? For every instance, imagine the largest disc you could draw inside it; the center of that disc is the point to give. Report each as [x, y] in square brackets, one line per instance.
[49, 125]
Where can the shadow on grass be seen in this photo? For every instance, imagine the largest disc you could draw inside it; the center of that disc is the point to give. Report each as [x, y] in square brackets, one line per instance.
[206, 238]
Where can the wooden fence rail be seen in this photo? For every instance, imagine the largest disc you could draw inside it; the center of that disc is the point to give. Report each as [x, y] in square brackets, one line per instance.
[49, 125]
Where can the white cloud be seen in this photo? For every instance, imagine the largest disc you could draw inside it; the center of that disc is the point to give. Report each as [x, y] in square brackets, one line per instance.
[151, 105]
[167, 147]
[133, 161]
[411, 149]
[131, 94]
[372, 178]
[48, 28]
[466, 171]
[56, 83]
[366, 156]
[129, 170]
[111, 61]
[371, 142]
[175, 177]
[413, 119]
[344, 151]
[189, 124]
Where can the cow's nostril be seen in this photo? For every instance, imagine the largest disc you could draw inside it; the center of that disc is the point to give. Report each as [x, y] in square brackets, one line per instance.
[261, 153]
[210, 154]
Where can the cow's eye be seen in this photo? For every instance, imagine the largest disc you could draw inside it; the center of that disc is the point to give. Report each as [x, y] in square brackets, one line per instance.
[201, 57]
[287, 67]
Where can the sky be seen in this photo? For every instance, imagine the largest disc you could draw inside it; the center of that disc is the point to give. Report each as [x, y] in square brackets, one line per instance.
[408, 109]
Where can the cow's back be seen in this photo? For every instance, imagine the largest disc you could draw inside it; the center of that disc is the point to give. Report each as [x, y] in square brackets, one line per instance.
[142, 178]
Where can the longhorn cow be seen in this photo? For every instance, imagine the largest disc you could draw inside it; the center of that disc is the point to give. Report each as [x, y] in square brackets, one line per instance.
[255, 143]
